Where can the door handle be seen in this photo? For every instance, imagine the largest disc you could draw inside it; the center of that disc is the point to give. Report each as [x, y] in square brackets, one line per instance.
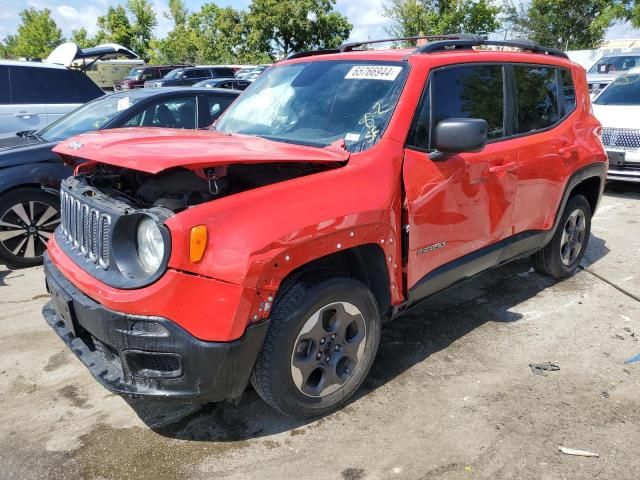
[507, 167]
[24, 115]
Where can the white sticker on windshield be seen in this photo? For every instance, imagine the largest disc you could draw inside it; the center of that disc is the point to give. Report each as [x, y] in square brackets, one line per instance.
[352, 137]
[373, 72]
[123, 103]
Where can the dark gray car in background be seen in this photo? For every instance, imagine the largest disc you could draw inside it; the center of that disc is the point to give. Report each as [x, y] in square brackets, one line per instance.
[186, 77]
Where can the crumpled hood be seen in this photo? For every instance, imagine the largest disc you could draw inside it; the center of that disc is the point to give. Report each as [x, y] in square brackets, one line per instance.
[153, 150]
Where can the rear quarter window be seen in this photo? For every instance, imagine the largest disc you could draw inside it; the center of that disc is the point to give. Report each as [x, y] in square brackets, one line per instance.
[568, 92]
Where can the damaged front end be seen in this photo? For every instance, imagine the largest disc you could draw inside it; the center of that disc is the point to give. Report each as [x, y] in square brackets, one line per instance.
[114, 210]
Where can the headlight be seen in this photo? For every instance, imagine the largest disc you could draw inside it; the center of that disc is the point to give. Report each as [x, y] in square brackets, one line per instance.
[150, 245]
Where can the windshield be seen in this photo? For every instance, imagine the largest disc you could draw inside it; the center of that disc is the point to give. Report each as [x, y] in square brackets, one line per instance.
[624, 90]
[173, 73]
[319, 103]
[620, 63]
[134, 74]
[89, 117]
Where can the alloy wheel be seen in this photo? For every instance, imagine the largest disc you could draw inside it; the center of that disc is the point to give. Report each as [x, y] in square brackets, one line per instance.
[26, 227]
[573, 236]
[328, 349]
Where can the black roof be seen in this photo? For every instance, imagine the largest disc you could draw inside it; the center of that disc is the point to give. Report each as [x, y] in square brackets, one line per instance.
[160, 91]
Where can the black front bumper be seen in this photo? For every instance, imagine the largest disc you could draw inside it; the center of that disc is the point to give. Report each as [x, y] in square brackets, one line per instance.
[148, 356]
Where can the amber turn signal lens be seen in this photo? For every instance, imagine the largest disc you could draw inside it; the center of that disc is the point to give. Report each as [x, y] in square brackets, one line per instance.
[197, 243]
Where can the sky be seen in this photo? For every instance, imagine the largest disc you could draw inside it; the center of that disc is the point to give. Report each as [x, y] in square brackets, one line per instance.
[365, 15]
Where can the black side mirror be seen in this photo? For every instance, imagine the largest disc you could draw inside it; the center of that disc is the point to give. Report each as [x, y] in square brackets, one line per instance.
[457, 135]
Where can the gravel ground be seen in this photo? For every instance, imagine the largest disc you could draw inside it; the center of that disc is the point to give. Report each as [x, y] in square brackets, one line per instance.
[450, 396]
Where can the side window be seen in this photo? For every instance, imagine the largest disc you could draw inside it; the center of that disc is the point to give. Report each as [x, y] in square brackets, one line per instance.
[197, 73]
[168, 113]
[24, 89]
[537, 98]
[568, 90]
[420, 134]
[149, 74]
[217, 105]
[189, 74]
[474, 91]
[5, 97]
[52, 85]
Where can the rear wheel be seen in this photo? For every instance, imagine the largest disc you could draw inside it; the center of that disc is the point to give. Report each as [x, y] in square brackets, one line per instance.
[320, 346]
[562, 255]
[28, 218]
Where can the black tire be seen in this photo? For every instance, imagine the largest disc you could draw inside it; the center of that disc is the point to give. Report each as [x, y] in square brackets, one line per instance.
[553, 260]
[28, 217]
[273, 374]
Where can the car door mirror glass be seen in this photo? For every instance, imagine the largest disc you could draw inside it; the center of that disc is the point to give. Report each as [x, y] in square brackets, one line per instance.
[457, 135]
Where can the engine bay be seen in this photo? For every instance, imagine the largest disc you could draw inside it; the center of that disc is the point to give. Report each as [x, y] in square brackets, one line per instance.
[180, 188]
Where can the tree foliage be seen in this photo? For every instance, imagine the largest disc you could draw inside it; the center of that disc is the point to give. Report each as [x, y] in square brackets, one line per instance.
[563, 24]
[114, 26]
[37, 35]
[281, 27]
[144, 20]
[273, 29]
[437, 17]
[81, 38]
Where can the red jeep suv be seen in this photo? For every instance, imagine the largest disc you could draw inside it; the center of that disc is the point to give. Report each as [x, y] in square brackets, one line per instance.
[342, 188]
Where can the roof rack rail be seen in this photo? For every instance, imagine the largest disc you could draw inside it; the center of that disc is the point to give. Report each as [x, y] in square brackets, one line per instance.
[452, 44]
[348, 47]
[312, 53]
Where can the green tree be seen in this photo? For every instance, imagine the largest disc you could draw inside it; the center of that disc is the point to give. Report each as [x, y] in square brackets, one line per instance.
[81, 38]
[437, 17]
[210, 35]
[141, 28]
[179, 45]
[564, 24]
[37, 35]
[281, 27]
[114, 26]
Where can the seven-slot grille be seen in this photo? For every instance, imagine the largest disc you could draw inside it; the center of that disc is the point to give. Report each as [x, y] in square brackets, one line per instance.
[86, 229]
[621, 137]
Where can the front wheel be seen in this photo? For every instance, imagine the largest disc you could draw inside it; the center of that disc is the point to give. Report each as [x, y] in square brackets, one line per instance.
[321, 343]
[28, 218]
[561, 256]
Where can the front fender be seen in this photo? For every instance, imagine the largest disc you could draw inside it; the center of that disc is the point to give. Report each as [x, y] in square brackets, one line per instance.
[259, 236]
[49, 174]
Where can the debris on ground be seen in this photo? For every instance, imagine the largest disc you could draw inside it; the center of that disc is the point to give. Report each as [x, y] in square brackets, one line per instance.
[577, 453]
[634, 359]
[540, 368]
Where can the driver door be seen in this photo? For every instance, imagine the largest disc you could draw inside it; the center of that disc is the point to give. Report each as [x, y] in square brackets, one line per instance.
[459, 205]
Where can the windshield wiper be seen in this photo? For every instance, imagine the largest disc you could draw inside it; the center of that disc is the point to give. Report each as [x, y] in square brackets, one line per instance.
[294, 142]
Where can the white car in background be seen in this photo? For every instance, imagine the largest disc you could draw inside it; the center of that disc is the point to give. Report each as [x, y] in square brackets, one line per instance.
[618, 109]
[33, 94]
